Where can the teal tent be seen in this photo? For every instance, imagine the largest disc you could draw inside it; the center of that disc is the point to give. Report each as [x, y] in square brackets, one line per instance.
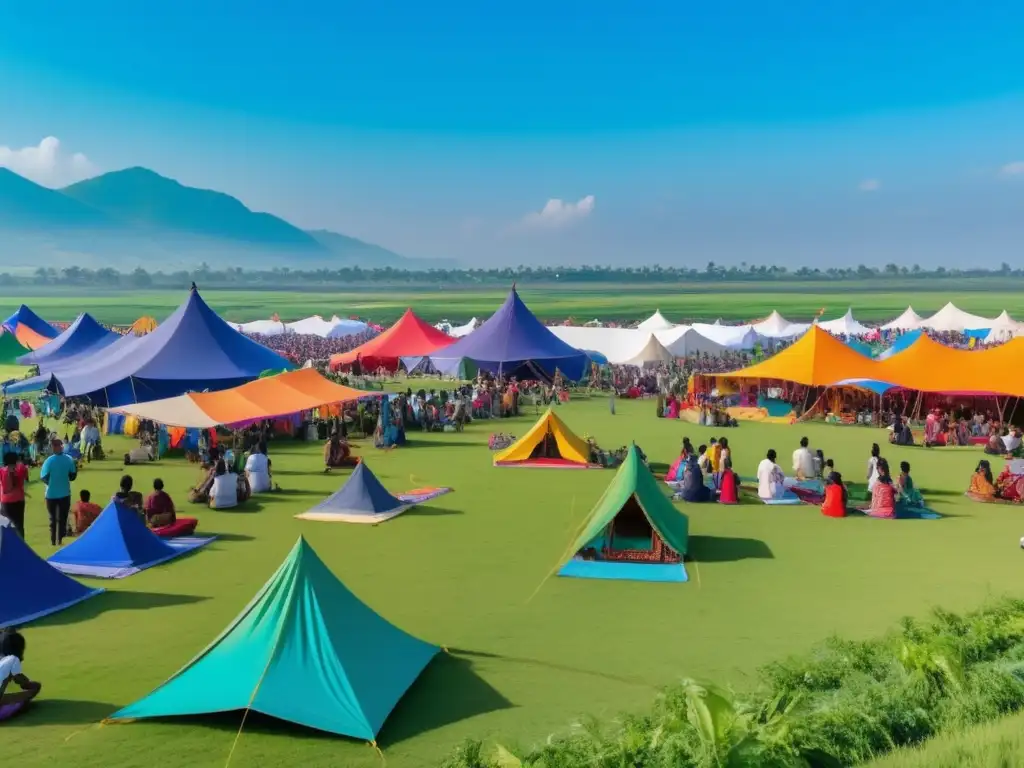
[305, 650]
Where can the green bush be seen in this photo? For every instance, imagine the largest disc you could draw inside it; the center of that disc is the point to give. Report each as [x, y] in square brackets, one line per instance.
[843, 703]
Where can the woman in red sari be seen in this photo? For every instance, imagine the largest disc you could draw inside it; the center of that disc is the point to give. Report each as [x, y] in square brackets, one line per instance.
[835, 496]
[883, 495]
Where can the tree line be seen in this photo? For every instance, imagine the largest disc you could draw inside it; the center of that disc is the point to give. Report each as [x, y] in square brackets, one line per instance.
[283, 278]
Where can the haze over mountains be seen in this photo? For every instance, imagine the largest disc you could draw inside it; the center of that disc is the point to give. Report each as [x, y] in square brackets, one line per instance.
[136, 217]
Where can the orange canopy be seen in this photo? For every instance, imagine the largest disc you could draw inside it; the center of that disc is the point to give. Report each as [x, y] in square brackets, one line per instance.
[816, 359]
[929, 366]
[30, 339]
[144, 325]
[409, 337]
[266, 398]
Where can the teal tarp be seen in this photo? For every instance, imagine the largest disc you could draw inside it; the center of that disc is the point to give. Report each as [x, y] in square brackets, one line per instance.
[305, 650]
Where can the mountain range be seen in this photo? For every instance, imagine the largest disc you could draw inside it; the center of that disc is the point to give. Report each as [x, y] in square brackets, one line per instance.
[136, 217]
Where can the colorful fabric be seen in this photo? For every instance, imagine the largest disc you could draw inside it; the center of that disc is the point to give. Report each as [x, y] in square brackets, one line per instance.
[883, 500]
[834, 504]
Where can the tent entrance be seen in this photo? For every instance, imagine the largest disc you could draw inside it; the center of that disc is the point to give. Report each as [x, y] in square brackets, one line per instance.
[631, 538]
[546, 448]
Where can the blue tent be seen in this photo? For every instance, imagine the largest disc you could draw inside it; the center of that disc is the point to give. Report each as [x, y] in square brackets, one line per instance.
[306, 651]
[362, 499]
[903, 341]
[83, 335]
[192, 351]
[32, 589]
[26, 317]
[119, 544]
[515, 343]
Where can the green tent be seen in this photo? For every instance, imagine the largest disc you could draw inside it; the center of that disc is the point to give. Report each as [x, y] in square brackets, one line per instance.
[10, 348]
[633, 532]
[305, 650]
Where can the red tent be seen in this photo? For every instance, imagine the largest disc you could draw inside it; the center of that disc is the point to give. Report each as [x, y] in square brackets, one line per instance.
[409, 337]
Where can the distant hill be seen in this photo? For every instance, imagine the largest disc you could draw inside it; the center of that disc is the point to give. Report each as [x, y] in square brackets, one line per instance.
[137, 217]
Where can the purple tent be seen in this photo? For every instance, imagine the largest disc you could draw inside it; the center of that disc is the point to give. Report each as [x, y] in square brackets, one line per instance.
[514, 343]
[83, 335]
[191, 351]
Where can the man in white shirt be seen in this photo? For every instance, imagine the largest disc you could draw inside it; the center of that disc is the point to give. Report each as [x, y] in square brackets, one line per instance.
[257, 469]
[1012, 441]
[803, 461]
[770, 480]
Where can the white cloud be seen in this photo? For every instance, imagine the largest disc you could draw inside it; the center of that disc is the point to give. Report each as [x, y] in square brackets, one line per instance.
[1015, 168]
[869, 185]
[558, 213]
[48, 164]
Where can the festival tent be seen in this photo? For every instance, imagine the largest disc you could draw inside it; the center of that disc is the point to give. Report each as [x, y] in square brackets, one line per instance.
[615, 345]
[775, 326]
[31, 331]
[142, 326]
[344, 327]
[458, 331]
[41, 589]
[652, 353]
[633, 532]
[83, 335]
[908, 321]
[311, 326]
[951, 318]
[262, 328]
[118, 544]
[513, 342]
[845, 325]
[306, 651]
[929, 366]
[548, 444]
[193, 350]
[902, 342]
[1003, 328]
[10, 348]
[409, 337]
[683, 341]
[729, 336]
[656, 322]
[265, 398]
[816, 359]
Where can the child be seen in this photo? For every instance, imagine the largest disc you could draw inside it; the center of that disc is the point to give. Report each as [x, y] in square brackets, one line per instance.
[12, 654]
[714, 452]
[703, 460]
[85, 512]
[819, 463]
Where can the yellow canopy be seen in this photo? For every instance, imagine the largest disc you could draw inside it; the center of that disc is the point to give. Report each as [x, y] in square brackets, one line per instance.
[571, 448]
[144, 325]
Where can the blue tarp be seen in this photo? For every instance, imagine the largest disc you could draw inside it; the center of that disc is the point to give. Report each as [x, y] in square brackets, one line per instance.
[25, 316]
[192, 351]
[119, 544]
[83, 335]
[361, 497]
[515, 343]
[33, 588]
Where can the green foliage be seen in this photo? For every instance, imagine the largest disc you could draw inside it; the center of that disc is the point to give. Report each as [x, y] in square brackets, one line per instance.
[843, 703]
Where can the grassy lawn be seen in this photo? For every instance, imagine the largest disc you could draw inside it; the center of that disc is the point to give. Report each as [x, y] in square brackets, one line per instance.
[530, 654]
[701, 301]
[997, 745]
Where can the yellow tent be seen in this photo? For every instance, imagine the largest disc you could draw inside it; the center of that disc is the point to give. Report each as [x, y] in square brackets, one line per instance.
[144, 325]
[817, 359]
[549, 443]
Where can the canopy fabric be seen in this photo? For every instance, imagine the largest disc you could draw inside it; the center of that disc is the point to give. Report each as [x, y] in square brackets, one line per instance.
[656, 322]
[571, 448]
[929, 366]
[10, 348]
[775, 326]
[816, 359]
[409, 337]
[619, 346]
[634, 479]
[515, 343]
[344, 327]
[845, 325]
[1003, 328]
[362, 499]
[458, 331]
[683, 341]
[35, 331]
[304, 632]
[652, 353]
[951, 318]
[265, 398]
[262, 328]
[144, 325]
[42, 589]
[729, 336]
[311, 326]
[193, 350]
[907, 321]
[83, 335]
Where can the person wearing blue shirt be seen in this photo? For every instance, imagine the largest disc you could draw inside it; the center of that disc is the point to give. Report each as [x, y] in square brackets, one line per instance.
[58, 472]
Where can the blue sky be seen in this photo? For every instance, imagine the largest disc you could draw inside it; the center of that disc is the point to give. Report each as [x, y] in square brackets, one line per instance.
[801, 133]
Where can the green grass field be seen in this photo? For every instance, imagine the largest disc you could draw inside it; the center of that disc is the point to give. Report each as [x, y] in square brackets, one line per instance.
[530, 654]
[699, 301]
[997, 745]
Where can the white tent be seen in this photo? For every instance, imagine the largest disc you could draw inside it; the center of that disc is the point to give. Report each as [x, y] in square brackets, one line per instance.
[655, 322]
[1003, 328]
[908, 321]
[311, 326]
[342, 328]
[651, 353]
[951, 318]
[729, 336]
[683, 341]
[458, 331]
[775, 326]
[263, 327]
[616, 344]
[846, 325]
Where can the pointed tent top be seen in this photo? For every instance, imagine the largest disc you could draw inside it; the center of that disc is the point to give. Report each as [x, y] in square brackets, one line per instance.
[409, 337]
[24, 316]
[909, 320]
[815, 359]
[952, 318]
[83, 335]
[656, 322]
[652, 352]
[775, 326]
[117, 539]
[305, 630]
[362, 499]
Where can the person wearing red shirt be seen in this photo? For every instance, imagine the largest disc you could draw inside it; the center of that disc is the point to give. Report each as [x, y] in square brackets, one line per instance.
[13, 478]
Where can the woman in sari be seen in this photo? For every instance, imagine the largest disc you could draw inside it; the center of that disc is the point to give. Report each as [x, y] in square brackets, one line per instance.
[908, 495]
[835, 496]
[883, 495]
[336, 452]
[1010, 487]
[694, 490]
[982, 488]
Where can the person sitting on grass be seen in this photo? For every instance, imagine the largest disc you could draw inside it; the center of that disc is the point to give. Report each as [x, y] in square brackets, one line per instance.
[876, 456]
[337, 453]
[85, 512]
[694, 490]
[12, 654]
[883, 495]
[770, 477]
[257, 469]
[982, 487]
[908, 495]
[159, 507]
[835, 496]
[130, 498]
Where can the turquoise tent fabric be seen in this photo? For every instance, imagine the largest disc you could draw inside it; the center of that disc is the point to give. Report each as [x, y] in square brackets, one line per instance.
[305, 650]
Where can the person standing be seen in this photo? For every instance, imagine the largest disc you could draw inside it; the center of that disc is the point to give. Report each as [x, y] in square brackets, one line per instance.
[13, 477]
[58, 472]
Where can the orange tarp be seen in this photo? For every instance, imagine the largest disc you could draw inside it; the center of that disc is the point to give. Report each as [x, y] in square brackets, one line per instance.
[929, 366]
[29, 338]
[815, 359]
[266, 398]
[144, 325]
[409, 337]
